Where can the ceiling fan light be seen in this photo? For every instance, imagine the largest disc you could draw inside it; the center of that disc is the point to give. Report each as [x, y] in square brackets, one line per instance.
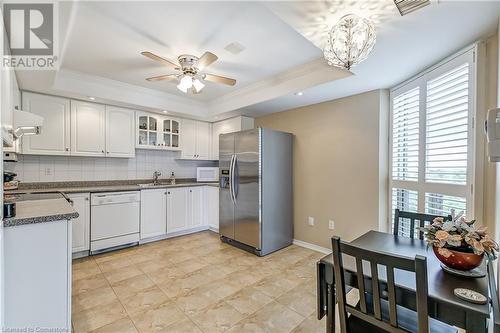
[182, 88]
[185, 84]
[198, 85]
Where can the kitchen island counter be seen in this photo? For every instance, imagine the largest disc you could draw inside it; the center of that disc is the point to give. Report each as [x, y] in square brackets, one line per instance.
[40, 211]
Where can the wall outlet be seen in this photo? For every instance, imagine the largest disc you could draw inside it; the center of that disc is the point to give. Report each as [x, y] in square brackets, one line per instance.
[310, 220]
[331, 224]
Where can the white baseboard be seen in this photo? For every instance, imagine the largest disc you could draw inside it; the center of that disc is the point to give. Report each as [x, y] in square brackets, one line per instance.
[312, 246]
[213, 228]
[173, 234]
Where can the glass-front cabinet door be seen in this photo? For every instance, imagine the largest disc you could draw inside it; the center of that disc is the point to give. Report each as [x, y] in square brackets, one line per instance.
[157, 132]
[147, 134]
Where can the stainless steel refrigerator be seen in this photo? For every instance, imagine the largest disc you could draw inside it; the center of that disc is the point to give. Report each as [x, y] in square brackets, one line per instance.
[255, 198]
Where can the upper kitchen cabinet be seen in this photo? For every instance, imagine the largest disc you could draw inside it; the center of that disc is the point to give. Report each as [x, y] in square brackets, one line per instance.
[197, 139]
[88, 129]
[120, 132]
[55, 136]
[228, 126]
[157, 132]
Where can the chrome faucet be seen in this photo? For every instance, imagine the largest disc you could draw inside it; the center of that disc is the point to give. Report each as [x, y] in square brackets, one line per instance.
[156, 175]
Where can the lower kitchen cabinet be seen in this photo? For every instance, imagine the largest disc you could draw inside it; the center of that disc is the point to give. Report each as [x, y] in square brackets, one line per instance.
[81, 225]
[37, 277]
[195, 206]
[185, 208]
[177, 203]
[211, 201]
[153, 213]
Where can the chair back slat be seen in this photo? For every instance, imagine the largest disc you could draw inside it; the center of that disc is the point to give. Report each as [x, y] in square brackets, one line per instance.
[495, 307]
[417, 220]
[361, 284]
[376, 291]
[391, 289]
[421, 284]
[340, 285]
[374, 316]
[412, 228]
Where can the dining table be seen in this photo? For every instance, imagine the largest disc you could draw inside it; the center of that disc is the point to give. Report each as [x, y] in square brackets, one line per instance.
[443, 304]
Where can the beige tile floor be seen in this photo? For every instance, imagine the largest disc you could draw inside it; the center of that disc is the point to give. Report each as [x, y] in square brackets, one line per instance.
[195, 283]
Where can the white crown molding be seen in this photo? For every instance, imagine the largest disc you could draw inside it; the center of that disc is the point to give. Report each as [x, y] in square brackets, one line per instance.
[297, 79]
[112, 90]
[73, 84]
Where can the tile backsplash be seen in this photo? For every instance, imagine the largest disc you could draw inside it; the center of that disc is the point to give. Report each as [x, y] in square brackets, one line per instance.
[31, 168]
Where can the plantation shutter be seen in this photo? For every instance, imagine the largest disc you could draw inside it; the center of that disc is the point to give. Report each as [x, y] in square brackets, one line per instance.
[432, 140]
[447, 117]
[405, 136]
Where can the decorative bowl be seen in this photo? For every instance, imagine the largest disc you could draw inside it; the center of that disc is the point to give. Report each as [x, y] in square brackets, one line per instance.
[464, 261]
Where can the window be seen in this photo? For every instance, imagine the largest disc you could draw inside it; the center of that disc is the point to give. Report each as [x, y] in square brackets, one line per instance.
[432, 139]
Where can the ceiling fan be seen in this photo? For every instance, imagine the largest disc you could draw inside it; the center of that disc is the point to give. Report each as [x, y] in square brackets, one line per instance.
[190, 69]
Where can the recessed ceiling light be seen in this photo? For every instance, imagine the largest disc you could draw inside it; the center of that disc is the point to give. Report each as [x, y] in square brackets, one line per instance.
[91, 98]
[299, 93]
[164, 111]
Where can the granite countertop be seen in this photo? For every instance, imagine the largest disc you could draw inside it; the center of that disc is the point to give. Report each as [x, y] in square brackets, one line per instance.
[47, 209]
[101, 186]
[40, 211]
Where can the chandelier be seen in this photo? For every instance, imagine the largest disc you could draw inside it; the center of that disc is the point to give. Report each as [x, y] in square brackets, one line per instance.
[350, 41]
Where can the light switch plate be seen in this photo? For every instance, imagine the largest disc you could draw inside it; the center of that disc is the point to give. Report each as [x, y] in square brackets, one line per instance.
[331, 224]
[310, 220]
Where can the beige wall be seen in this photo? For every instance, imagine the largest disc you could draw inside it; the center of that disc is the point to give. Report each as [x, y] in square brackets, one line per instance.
[487, 86]
[338, 170]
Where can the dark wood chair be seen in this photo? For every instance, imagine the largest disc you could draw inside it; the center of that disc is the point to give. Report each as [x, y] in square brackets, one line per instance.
[416, 220]
[495, 308]
[377, 310]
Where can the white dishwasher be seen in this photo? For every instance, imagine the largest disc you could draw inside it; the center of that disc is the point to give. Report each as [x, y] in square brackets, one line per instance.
[114, 219]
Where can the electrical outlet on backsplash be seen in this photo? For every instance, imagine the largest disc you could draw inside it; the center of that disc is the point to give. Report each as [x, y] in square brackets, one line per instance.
[32, 168]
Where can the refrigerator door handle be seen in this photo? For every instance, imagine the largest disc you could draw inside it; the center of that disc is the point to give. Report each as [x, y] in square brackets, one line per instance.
[232, 179]
[235, 181]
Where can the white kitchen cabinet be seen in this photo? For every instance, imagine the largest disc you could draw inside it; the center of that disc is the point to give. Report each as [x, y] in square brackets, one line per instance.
[211, 204]
[203, 140]
[88, 129]
[120, 132]
[153, 213]
[81, 225]
[37, 277]
[228, 126]
[55, 136]
[177, 209]
[195, 213]
[197, 137]
[157, 132]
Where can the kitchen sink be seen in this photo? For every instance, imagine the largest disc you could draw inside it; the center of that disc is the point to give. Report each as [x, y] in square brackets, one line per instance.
[153, 184]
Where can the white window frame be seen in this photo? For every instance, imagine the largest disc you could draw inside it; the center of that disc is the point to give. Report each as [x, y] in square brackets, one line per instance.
[469, 55]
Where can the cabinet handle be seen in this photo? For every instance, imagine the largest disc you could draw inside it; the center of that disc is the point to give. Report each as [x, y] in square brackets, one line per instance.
[107, 152]
[168, 192]
[86, 199]
[102, 151]
[67, 149]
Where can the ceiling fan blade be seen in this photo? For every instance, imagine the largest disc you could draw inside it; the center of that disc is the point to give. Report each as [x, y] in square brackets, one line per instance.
[219, 79]
[205, 60]
[162, 77]
[159, 59]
